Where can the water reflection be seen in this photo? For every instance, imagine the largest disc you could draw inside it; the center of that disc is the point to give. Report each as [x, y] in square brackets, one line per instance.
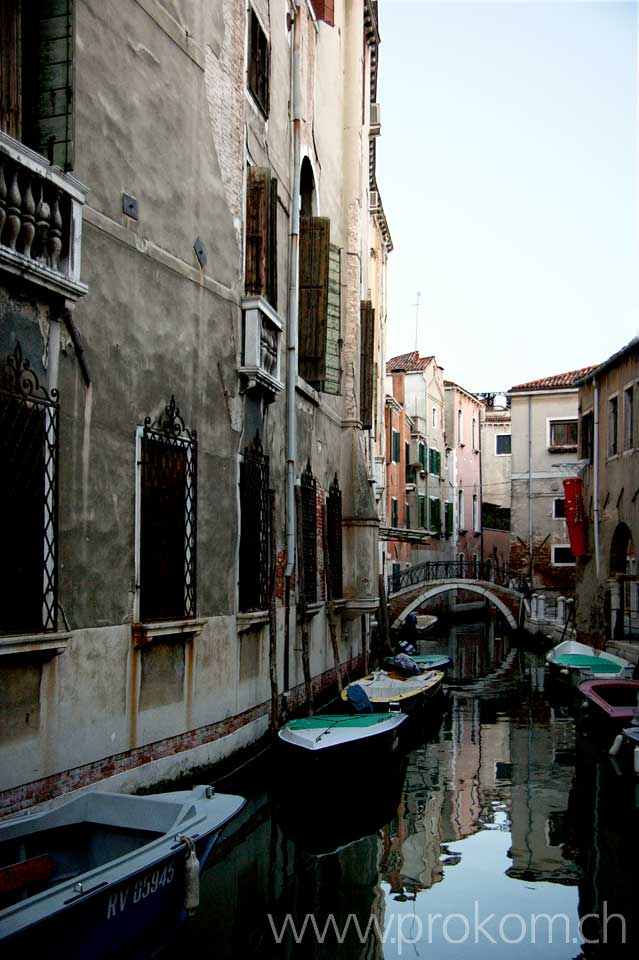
[495, 816]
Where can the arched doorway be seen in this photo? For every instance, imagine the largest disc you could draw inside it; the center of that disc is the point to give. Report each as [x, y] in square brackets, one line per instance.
[624, 593]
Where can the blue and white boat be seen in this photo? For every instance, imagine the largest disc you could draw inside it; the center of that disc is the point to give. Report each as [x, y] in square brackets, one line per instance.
[94, 875]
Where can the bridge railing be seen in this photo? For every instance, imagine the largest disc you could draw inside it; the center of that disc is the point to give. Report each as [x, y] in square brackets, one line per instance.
[484, 570]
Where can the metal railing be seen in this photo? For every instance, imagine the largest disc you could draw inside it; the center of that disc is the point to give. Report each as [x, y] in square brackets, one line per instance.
[431, 570]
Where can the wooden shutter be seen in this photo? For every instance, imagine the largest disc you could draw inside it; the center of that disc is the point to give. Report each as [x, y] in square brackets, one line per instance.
[47, 78]
[272, 245]
[313, 299]
[367, 334]
[325, 10]
[9, 69]
[257, 233]
[332, 375]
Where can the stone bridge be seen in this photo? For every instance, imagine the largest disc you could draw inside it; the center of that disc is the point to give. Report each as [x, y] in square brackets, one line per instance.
[423, 581]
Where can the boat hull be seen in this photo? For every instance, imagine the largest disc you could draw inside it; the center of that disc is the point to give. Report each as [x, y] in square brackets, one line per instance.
[573, 662]
[350, 755]
[612, 702]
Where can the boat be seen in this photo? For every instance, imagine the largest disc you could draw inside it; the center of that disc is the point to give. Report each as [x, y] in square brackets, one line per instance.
[100, 871]
[429, 661]
[344, 737]
[616, 701]
[575, 662]
[388, 691]
[627, 742]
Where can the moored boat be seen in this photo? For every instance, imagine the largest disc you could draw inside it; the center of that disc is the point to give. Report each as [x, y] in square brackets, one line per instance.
[347, 738]
[389, 692]
[101, 870]
[615, 701]
[575, 662]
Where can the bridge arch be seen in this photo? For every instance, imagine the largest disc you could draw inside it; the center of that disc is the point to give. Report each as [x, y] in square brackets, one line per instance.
[477, 588]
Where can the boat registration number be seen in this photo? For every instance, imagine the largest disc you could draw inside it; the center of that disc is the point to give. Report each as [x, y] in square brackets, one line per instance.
[143, 887]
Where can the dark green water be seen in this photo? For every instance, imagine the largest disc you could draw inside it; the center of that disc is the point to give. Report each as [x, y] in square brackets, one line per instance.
[499, 835]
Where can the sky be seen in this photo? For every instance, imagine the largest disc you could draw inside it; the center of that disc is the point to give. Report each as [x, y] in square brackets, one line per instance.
[508, 169]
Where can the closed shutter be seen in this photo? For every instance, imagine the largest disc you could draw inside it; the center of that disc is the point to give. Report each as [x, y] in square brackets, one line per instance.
[333, 370]
[47, 79]
[325, 10]
[448, 518]
[313, 300]
[394, 520]
[257, 233]
[9, 69]
[422, 511]
[367, 315]
[435, 515]
[271, 291]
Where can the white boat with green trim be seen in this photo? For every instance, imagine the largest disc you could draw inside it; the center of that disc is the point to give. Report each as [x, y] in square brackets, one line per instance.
[343, 734]
[575, 662]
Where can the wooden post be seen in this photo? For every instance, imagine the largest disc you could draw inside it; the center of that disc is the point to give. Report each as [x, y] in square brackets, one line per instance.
[364, 645]
[272, 618]
[330, 605]
[384, 631]
[306, 665]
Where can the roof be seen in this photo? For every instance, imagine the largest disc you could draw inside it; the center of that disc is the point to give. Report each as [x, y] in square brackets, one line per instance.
[451, 385]
[559, 381]
[408, 361]
[613, 360]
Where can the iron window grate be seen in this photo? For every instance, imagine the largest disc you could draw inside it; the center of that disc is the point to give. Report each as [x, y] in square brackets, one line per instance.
[308, 485]
[334, 536]
[255, 528]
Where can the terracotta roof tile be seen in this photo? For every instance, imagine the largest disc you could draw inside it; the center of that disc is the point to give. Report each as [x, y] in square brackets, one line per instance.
[408, 361]
[558, 381]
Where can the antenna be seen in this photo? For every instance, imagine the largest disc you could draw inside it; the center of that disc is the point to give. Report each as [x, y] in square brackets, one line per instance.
[416, 305]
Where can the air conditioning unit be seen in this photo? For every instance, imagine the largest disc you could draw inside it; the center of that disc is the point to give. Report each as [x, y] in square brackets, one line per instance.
[373, 200]
[375, 125]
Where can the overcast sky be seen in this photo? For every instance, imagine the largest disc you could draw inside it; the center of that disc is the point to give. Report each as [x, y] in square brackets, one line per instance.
[508, 168]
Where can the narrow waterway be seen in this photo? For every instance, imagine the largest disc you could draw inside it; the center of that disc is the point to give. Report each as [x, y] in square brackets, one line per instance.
[500, 833]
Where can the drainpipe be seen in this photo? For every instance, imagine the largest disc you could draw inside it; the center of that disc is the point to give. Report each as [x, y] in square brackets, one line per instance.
[595, 457]
[530, 517]
[291, 336]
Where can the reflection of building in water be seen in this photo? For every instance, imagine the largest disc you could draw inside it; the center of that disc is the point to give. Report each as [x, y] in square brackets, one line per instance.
[542, 748]
[475, 649]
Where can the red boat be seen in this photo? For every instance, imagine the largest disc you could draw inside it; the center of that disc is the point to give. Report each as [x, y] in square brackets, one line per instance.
[616, 699]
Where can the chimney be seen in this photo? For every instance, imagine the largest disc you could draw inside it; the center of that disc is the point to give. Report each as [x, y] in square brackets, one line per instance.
[399, 392]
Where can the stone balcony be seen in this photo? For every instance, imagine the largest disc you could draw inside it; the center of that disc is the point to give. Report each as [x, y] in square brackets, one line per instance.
[40, 221]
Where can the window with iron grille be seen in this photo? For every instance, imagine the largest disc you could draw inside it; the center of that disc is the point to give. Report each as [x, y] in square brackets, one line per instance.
[394, 512]
[254, 528]
[421, 504]
[168, 514]
[37, 76]
[435, 518]
[334, 536]
[308, 485]
[29, 417]
[258, 63]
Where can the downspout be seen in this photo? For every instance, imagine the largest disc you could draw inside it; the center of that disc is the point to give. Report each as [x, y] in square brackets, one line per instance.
[595, 456]
[530, 516]
[291, 337]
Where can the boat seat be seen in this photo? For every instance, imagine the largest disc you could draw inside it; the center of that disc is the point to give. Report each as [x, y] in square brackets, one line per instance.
[34, 870]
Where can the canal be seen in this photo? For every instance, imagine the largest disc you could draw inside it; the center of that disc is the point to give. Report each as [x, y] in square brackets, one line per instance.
[503, 833]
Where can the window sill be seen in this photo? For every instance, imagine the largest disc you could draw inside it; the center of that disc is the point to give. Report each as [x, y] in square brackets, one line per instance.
[49, 643]
[144, 633]
[312, 609]
[308, 391]
[568, 449]
[251, 619]
[361, 605]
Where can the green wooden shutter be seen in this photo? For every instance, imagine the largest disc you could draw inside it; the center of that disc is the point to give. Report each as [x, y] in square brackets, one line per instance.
[367, 315]
[313, 300]
[396, 448]
[422, 511]
[435, 515]
[333, 371]
[448, 518]
[48, 78]
[394, 519]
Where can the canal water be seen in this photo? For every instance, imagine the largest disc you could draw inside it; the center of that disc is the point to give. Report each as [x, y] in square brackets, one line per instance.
[503, 834]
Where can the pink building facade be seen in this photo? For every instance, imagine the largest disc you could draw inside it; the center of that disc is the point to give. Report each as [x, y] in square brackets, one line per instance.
[463, 438]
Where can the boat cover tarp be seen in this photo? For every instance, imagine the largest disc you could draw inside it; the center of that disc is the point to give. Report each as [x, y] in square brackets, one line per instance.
[358, 720]
[358, 699]
[583, 661]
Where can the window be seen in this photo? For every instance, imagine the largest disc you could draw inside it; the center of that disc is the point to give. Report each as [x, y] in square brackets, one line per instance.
[395, 446]
[559, 508]
[255, 526]
[628, 419]
[334, 537]
[422, 511]
[394, 513]
[460, 510]
[422, 456]
[435, 511]
[474, 433]
[308, 498]
[503, 444]
[29, 418]
[258, 63]
[562, 555]
[435, 461]
[407, 515]
[475, 513]
[435, 418]
[320, 316]
[563, 435]
[260, 276]
[460, 432]
[36, 76]
[325, 10]
[494, 517]
[407, 461]
[587, 436]
[612, 427]
[168, 485]
[448, 518]
[367, 357]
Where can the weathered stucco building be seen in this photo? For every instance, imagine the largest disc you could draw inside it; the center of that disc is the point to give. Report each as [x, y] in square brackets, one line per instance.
[190, 347]
[496, 469]
[463, 438]
[607, 599]
[544, 453]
